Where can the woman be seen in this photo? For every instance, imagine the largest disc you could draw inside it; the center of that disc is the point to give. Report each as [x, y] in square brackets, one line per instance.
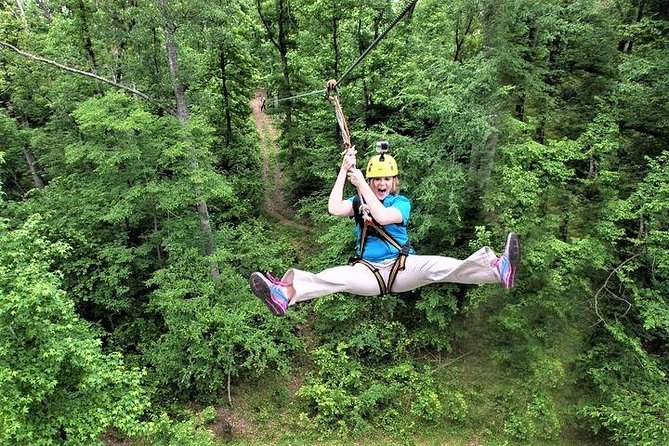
[385, 261]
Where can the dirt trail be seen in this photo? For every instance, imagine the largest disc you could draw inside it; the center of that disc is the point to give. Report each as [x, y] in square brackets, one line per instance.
[274, 203]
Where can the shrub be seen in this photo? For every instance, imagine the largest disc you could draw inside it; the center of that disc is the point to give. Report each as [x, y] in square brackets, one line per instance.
[56, 384]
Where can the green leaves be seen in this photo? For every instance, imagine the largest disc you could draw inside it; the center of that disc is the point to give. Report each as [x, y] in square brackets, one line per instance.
[57, 385]
[343, 396]
[548, 119]
[210, 333]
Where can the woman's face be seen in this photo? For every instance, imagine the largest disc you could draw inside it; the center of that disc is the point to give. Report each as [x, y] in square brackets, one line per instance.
[382, 187]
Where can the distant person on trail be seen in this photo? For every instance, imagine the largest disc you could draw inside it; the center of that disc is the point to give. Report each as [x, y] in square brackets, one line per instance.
[385, 261]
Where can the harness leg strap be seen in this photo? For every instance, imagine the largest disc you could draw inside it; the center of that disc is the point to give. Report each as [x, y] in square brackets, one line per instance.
[377, 274]
[398, 265]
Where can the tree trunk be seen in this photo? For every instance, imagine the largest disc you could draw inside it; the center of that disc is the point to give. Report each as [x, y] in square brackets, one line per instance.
[283, 49]
[45, 10]
[182, 115]
[482, 157]
[32, 165]
[226, 99]
[86, 36]
[121, 21]
[280, 41]
[460, 40]
[159, 249]
[488, 156]
[625, 46]
[173, 63]
[520, 106]
[19, 3]
[370, 115]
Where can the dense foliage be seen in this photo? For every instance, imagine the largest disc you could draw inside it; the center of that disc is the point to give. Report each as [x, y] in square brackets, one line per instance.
[129, 225]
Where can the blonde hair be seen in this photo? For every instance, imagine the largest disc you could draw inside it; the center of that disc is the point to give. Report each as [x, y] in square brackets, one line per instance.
[394, 189]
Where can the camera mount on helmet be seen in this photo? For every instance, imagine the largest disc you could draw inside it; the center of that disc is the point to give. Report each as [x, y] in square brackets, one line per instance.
[382, 148]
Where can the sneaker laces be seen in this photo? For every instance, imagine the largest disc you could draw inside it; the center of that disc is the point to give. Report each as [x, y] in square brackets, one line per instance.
[275, 281]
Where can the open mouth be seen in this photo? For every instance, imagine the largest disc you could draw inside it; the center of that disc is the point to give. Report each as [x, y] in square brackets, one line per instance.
[381, 191]
[382, 187]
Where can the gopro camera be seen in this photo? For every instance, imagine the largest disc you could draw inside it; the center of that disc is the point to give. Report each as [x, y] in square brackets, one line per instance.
[381, 147]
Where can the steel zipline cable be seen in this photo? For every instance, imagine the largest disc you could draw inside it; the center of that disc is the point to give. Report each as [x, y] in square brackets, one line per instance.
[408, 8]
[332, 89]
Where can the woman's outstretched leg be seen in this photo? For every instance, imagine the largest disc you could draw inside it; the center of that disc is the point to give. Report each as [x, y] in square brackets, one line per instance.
[353, 279]
[297, 285]
[481, 267]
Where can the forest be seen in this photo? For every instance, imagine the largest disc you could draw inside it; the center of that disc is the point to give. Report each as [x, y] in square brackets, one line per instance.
[142, 184]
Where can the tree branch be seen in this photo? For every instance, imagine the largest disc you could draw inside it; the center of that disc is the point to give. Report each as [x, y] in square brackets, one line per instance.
[72, 70]
[604, 288]
[267, 26]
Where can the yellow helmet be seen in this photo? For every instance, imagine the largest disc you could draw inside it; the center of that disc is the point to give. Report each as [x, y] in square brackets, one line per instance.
[381, 166]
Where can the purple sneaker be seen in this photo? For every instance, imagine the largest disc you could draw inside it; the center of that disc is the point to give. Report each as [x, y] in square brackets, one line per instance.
[271, 291]
[507, 264]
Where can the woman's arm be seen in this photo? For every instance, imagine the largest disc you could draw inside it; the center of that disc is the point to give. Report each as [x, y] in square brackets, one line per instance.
[383, 215]
[337, 205]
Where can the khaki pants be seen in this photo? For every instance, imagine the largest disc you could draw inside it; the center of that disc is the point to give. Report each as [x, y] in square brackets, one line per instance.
[420, 270]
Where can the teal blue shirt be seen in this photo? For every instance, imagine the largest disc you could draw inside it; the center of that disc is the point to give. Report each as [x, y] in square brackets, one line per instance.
[377, 249]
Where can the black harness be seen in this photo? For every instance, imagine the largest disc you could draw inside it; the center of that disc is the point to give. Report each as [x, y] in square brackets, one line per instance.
[370, 226]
